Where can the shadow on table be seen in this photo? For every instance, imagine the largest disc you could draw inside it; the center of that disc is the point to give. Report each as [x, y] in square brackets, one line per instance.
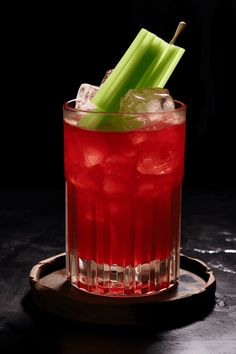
[61, 335]
[169, 316]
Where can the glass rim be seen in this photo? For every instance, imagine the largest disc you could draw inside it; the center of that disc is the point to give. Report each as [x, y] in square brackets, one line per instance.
[66, 106]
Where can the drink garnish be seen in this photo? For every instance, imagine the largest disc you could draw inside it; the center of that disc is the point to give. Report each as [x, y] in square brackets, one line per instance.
[147, 63]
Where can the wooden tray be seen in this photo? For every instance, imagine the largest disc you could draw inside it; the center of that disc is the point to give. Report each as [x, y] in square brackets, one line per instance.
[192, 298]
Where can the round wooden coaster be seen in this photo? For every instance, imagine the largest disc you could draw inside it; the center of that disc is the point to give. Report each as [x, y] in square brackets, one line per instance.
[53, 293]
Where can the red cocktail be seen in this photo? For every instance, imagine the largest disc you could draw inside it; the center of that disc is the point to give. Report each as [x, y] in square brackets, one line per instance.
[124, 202]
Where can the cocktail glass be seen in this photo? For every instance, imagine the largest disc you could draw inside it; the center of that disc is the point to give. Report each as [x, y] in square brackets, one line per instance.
[123, 201]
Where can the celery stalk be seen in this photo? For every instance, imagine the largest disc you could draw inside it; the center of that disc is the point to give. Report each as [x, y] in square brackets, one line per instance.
[148, 62]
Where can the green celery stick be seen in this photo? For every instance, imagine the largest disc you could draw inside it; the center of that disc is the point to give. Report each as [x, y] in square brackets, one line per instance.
[148, 62]
[145, 49]
[160, 70]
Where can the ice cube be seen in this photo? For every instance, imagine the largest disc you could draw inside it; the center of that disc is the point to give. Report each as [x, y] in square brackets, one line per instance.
[90, 150]
[145, 189]
[118, 172]
[86, 178]
[161, 163]
[87, 91]
[119, 165]
[147, 100]
[115, 185]
[94, 154]
[84, 96]
[93, 157]
[138, 137]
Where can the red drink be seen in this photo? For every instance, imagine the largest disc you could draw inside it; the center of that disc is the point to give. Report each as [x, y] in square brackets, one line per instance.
[124, 205]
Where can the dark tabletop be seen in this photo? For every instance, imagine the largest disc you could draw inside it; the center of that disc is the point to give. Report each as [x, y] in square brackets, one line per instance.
[32, 228]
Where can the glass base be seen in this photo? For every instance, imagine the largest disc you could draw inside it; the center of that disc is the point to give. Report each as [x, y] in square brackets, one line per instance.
[114, 280]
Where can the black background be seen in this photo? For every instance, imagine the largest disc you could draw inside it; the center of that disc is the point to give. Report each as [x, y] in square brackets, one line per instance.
[49, 50]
